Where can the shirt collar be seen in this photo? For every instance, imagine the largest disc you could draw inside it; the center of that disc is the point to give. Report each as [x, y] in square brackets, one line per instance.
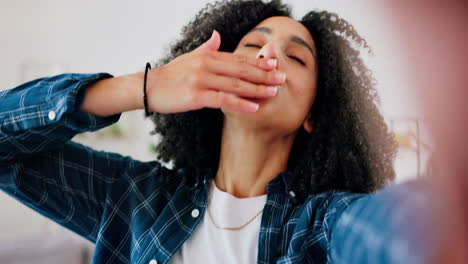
[281, 183]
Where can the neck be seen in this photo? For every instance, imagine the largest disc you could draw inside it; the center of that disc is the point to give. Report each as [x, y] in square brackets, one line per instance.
[250, 158]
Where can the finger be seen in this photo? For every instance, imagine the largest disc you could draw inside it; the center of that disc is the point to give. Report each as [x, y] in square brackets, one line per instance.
[267, 64]
[213, 43]
[214, 99]
[246, 71]
[239, 87]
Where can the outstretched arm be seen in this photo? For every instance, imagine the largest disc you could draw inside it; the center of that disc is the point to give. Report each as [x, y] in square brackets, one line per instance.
[391, 226]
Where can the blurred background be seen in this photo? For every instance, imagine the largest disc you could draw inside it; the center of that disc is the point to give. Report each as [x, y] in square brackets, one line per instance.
[48, 37]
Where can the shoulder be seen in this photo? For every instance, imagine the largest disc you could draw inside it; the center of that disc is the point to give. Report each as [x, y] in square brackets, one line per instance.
[314, 219]
[326, 207]
[144, 179]
[320, 211]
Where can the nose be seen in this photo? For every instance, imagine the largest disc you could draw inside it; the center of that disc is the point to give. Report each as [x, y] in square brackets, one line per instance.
[271, 50]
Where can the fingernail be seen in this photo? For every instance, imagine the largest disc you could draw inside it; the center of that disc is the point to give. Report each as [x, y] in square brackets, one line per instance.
[272, 62]
[272, 90]
[279, 76]
[212, 34]
[253, 107]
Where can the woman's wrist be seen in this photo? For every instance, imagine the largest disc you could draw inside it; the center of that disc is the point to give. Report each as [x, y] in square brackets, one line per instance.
[115, 95]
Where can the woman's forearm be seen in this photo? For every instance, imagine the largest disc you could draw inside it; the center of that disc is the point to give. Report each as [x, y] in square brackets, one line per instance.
[114, 95]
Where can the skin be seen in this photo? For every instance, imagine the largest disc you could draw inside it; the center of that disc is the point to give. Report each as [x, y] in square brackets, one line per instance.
[255, 148]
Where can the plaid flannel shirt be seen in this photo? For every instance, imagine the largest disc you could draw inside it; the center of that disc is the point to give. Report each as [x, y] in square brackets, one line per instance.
[142, 212]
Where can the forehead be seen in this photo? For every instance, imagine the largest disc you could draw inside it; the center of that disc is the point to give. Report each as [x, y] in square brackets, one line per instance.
[285, 26]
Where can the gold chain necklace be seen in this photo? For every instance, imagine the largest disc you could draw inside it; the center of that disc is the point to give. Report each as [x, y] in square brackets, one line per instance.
[230, 228]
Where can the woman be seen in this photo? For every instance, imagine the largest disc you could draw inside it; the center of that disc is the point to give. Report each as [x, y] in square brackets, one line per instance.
[280, 176]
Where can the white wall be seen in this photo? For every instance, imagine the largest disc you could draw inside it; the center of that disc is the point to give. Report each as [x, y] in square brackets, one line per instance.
[115, 36]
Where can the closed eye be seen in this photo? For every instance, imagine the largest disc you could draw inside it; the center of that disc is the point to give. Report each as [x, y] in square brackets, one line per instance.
[297, 59]
[252, 45]
[292, 57]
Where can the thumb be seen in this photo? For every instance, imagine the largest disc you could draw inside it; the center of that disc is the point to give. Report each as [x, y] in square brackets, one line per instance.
[213, 43]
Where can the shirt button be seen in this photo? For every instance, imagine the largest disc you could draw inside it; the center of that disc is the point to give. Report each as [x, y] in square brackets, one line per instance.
[52, 115]
[195, 213]
[292, 194]
[153, 261]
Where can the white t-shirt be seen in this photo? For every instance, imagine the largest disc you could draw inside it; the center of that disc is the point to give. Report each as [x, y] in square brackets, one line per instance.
[210, 245]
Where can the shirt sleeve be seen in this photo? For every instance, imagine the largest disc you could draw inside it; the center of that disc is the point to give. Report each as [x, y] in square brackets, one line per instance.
[39, 114]
[390, 226]
[42, 168]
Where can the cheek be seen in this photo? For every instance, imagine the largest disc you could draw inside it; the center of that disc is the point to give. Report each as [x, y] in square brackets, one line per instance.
[239, 50]
[299, 97]
[303, 91]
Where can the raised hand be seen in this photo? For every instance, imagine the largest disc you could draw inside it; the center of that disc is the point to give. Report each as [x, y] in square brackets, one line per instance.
[209, 78]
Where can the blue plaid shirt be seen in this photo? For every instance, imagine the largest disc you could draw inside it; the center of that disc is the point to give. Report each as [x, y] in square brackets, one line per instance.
[142, 212]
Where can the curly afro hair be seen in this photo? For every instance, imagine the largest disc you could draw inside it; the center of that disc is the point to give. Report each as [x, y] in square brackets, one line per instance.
[350, 149]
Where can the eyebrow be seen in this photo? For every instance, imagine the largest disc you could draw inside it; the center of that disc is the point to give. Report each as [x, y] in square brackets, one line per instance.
[293, 38]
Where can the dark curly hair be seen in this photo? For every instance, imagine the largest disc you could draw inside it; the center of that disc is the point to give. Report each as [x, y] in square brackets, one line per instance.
[350, 148]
